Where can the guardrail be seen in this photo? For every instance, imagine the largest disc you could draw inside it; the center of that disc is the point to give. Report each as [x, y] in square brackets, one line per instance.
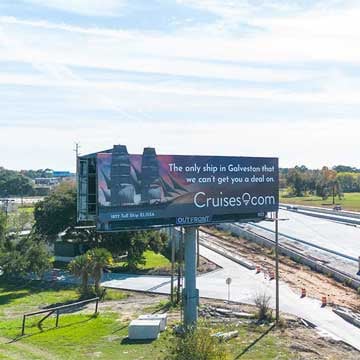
[57, 310]
[343, 213]
[307, 243]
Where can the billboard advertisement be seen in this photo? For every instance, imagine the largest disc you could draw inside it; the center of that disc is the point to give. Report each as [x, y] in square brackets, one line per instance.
[140, 191]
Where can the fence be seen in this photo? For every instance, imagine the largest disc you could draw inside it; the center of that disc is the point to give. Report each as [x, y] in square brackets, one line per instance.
[57, 310]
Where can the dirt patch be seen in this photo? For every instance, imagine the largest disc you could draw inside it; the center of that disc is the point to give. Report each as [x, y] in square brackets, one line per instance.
[297, 276]
[302, 341]
[133, 305]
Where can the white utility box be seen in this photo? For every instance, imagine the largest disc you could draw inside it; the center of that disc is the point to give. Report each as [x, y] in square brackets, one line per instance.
[144, 329]
[161, 317]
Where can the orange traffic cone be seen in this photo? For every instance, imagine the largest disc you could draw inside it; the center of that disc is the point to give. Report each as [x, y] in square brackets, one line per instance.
[271, 275]
[303, 292]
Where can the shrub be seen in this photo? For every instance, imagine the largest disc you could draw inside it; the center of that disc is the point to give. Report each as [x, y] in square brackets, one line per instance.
[262, 302]
[197, 344]
[282, 324]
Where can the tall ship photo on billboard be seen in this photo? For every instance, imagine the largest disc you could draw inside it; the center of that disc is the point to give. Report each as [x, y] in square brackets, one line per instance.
[139, 191]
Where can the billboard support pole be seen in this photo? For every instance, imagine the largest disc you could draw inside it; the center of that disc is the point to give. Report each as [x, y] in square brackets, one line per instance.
[277, 265]
[197, 247]
[179, 262]
[172, 238]
[191, 294]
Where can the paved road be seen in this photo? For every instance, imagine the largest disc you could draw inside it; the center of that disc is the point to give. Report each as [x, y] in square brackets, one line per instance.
[342, 238]
[245, 286]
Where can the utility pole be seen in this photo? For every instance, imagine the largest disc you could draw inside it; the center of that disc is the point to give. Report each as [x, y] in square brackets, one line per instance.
[277, 265]
[77, 149]
[6, 203]
[77, 152]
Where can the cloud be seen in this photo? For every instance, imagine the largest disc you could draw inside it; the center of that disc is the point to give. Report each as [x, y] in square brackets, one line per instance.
[240, 139]
[273, 77]
[84, 7]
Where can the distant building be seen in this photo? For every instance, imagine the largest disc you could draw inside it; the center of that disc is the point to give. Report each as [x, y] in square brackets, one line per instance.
[47, 181]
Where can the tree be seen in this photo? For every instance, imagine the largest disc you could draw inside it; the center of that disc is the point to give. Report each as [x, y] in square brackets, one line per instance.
[41, 173]
[2, 226]
[345, 168]
[57, 212]
[349, 182]
[20, 256]
[20, 221]
[81, 268]
[99, 258]
[38, 258]
[328, 184]
[132, 243]
[296, 180]
[13, 183]
[90, 264]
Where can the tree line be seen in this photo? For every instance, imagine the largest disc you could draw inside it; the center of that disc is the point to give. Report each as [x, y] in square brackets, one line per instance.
[23, 254]
[19, 183]
[300, 179]
[323, 182]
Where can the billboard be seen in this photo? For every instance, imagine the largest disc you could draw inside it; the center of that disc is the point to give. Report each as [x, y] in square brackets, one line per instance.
[140, 191]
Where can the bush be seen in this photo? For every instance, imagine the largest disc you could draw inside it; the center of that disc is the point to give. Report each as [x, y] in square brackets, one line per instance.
[262, 302]
[197, 344]
[282, 324]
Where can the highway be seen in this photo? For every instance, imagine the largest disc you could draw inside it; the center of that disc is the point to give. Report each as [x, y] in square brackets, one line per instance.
[245, 286]
[342, 238]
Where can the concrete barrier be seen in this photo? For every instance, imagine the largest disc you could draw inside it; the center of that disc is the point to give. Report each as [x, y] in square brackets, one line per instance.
[306, 243]
[144, 329]
[293, 254]
[342, 213]
[161, 317]
[236, 258]
[334, 217]
[348, 315]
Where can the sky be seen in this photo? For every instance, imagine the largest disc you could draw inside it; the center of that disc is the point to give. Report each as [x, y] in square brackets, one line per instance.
[205, 77]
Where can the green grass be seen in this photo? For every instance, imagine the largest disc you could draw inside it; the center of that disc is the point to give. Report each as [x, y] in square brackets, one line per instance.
[251, 344]
[113, 294]
[27, 208]
[154, 261]
[20, 297]
[82, 335]
[350, 201]
[271, 346]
